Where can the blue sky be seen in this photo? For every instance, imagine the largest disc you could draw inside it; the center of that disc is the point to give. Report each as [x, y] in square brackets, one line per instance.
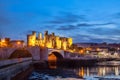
[83, 20]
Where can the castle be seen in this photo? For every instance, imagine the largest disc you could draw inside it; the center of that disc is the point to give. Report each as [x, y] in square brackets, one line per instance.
[49, 40]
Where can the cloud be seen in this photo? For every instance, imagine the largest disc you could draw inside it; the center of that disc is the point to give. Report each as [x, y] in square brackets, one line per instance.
[68, 27]
[95, 38]
[108, 25]
[74, 16]
[66, 17]
[81, 38]
[88, 38]
[116, 15]
[88, 24]
[104, 31]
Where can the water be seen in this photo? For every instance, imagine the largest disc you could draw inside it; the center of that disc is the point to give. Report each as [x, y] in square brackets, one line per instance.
[103, 72]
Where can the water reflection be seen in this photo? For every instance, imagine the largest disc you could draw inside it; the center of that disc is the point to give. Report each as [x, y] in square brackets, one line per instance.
[99, 71]
[81, 72]
[52, 61]
[87, 73]
[52, 64]
[116, 71]
[96, 71]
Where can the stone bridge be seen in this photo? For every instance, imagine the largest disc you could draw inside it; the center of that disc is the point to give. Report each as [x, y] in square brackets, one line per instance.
[38, 53]
[59, 53]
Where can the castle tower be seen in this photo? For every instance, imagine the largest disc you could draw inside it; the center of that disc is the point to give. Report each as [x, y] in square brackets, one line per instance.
[53, 34]
[46, 33]
[45, 38]
[40, 36]
[70, 41]
[34, 35]
[58, 42]
[31, 39]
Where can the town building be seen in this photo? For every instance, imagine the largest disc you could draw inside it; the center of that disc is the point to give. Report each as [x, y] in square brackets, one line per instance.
[17, 43]
[6, 42]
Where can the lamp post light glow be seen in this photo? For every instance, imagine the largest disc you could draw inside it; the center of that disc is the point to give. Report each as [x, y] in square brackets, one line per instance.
[18, 42]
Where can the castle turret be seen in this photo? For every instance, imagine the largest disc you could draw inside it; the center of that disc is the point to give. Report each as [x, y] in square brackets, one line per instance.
[31, 39]
[46, 33]
[53, 34]
[34, 33]
[70, 41]
[45, 37]
[40, 36]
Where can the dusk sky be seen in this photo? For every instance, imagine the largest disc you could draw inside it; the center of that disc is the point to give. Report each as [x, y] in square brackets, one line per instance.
[83, 20]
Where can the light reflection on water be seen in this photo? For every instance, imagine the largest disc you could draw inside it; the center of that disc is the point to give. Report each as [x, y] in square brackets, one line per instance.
[99, 72]
[52, 64]
[87, 73]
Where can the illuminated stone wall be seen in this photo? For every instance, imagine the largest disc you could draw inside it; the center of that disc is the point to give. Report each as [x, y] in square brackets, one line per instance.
[49, 40]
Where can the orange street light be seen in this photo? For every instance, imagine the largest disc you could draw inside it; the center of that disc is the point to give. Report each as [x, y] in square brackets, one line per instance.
[18, 42]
